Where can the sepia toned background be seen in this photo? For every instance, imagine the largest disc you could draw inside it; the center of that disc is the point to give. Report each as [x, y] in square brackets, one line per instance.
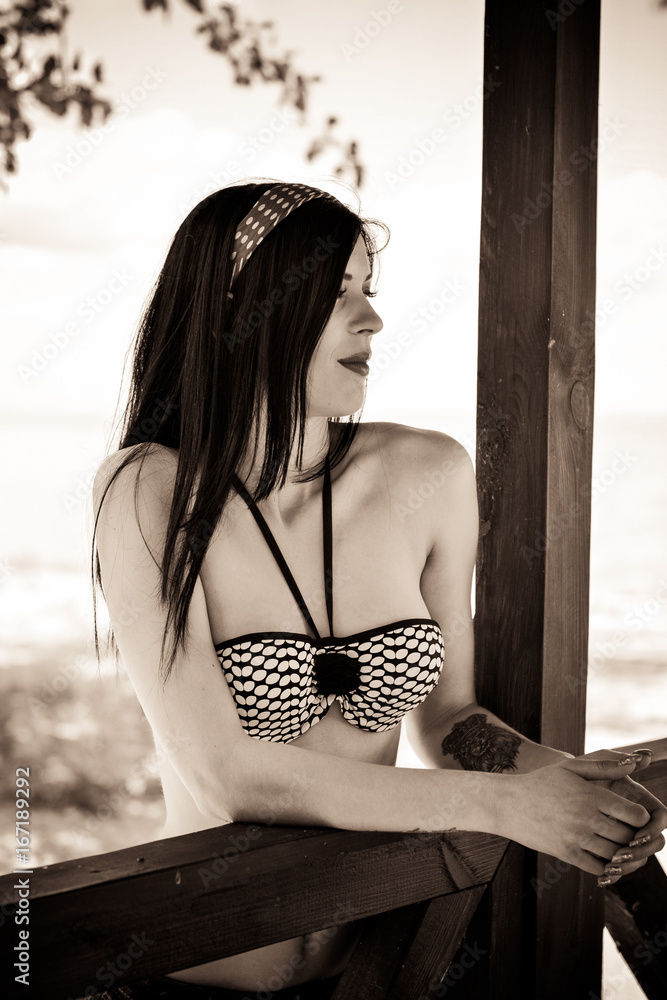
[84, 226]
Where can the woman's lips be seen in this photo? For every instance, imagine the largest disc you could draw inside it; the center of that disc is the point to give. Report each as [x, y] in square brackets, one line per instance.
[356, 366]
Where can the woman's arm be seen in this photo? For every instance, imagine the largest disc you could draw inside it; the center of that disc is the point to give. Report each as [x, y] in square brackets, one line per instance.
[474, 739]
[450, 730]
[228, 774]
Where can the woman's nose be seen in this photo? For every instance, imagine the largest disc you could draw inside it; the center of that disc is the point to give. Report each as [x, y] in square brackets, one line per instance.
[371, 319]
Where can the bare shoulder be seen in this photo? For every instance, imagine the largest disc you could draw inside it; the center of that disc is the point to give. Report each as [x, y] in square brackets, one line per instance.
[147, 471]
[152, 458]
[408, 453]
[424, 476]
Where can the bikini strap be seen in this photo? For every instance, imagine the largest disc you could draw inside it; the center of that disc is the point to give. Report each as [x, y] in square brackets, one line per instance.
[280, 559]
[327, 535]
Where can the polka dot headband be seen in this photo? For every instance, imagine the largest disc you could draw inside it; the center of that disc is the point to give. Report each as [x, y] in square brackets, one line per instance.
[274, 205]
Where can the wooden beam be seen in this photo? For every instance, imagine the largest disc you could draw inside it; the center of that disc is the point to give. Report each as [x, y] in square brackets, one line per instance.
[503, 969]
[406, 953]
[636, 916]
[654, 777]
[218, 892]
[535, 420]
[430, 956]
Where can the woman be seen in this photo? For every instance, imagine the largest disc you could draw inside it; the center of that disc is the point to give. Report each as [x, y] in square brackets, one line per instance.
[287, 709]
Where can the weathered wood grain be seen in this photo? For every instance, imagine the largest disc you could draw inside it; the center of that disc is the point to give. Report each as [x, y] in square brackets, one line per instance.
[405, 953]
[496, 963]
[197, 899]
[535, 422]
[434, 945]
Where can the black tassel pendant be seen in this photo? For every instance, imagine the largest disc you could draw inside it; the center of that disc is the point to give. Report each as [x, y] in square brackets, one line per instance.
[336, 673]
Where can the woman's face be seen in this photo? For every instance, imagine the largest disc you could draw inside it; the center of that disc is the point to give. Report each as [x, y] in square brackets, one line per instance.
[333, 389]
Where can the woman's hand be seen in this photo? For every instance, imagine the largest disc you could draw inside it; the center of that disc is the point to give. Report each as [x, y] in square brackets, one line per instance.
[644, 757]
[635, 854]
[568, 811]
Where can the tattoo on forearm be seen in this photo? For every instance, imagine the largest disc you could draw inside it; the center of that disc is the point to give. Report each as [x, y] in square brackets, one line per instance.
[478, 745]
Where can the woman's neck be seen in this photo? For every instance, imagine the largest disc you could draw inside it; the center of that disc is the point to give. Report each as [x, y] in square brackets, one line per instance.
[291, 496]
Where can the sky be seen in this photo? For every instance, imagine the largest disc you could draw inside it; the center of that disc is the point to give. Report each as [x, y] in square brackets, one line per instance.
[87, 221]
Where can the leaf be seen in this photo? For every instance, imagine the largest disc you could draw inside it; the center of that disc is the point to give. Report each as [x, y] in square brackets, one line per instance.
[249, 47]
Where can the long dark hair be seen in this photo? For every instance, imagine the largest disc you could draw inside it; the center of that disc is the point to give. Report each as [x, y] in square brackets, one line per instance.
[204, 363]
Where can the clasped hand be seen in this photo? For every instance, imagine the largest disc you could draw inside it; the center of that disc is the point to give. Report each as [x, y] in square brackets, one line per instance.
[642, 841]
[587, 811]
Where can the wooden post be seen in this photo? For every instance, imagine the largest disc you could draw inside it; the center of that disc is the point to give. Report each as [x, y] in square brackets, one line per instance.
[535, 426]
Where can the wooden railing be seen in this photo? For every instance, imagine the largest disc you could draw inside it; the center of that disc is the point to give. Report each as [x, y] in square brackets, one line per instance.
[441, 909]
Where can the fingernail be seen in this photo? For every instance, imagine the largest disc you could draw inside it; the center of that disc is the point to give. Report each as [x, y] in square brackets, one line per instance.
[642, 840]
[622, 857]
[613, 870]
[644, 751]
[629, 760]
[604, 881]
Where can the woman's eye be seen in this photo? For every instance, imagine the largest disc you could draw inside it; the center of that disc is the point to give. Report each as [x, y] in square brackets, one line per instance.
[368, 293]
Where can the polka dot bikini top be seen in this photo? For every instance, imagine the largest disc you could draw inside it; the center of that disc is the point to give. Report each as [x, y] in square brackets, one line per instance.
[285, 682]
